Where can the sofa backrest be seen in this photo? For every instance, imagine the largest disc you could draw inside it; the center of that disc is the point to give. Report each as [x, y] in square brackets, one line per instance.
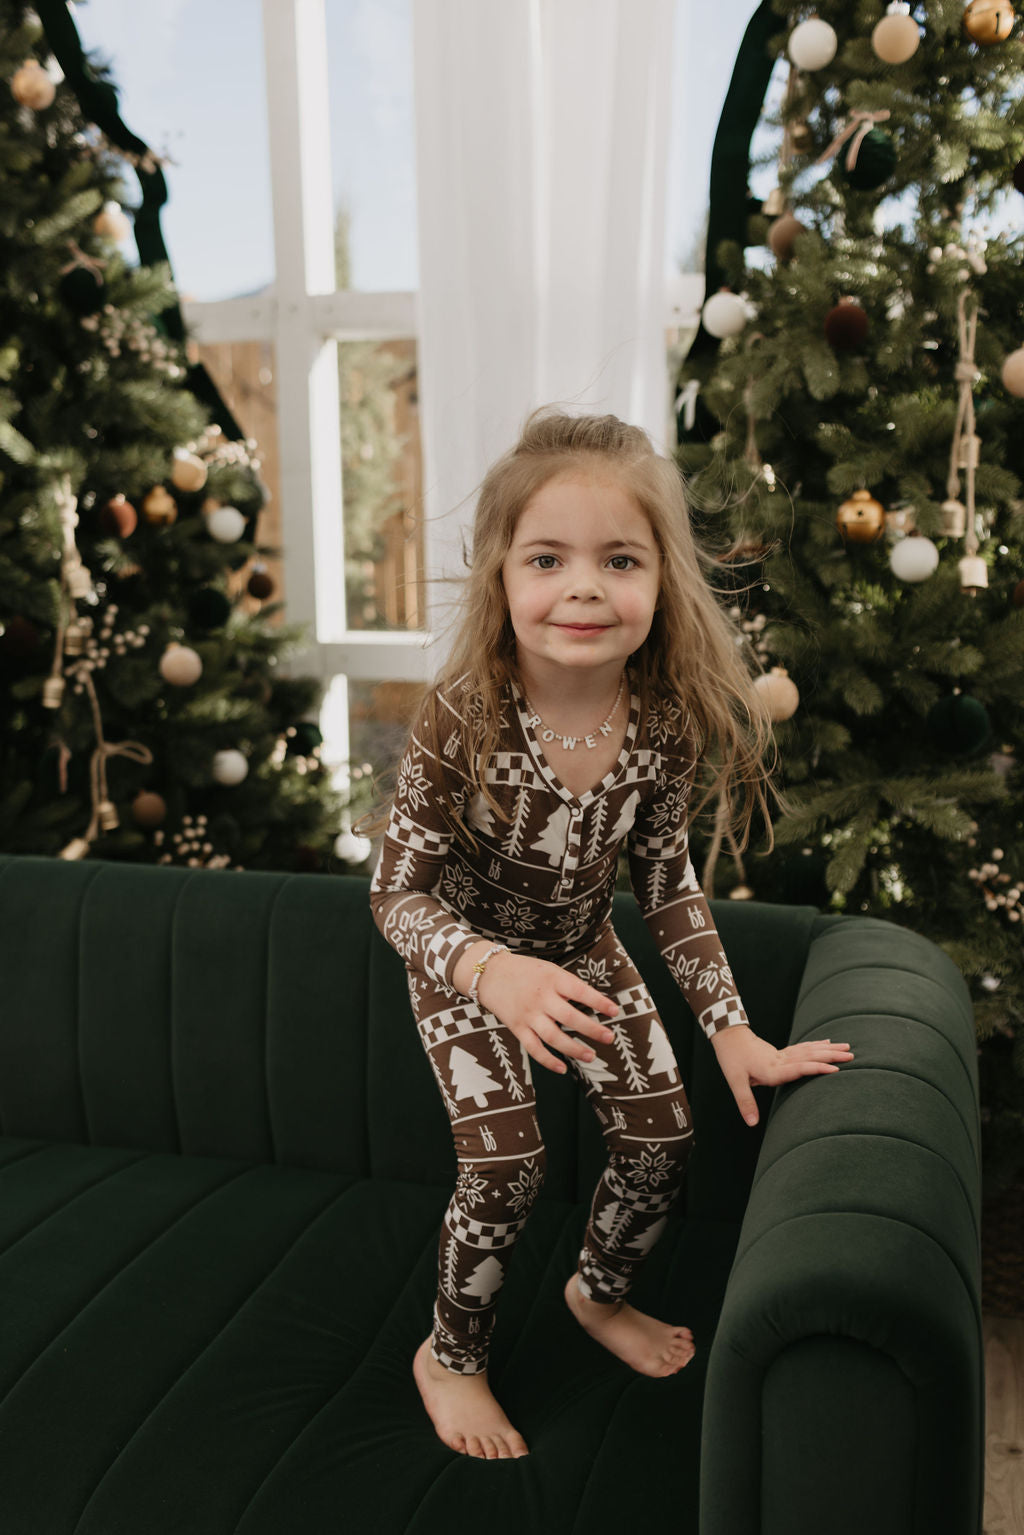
[262, 1017]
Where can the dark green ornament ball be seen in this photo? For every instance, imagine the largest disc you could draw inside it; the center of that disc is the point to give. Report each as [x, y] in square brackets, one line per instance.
[876, 161]
[960, 724]
[209, 608]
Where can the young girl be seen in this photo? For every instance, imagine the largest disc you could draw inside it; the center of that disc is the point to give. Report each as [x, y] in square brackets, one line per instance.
[592, 670]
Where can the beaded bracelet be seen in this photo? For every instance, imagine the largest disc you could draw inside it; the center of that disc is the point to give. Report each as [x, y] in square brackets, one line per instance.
[480, 967]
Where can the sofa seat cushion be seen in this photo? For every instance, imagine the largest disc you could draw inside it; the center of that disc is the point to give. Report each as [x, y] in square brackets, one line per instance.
[217, 1346]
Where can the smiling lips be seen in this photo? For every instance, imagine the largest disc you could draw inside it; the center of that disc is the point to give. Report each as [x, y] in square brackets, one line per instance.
[584, 628]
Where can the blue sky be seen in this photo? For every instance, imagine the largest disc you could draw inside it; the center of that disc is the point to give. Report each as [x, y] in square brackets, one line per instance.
[191, 80]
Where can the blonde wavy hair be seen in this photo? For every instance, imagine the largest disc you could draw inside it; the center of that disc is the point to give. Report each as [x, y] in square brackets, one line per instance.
[691, 655]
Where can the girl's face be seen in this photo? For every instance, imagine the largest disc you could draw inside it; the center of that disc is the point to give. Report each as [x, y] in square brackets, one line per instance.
[581, 577]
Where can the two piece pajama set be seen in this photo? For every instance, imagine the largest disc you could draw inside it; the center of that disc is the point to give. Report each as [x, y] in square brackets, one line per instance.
[540, 882]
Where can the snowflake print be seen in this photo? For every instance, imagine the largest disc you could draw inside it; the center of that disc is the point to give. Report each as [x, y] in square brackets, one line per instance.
[470, 1189]
[667, 810]
[413, 787]
[401, 933]
[457, 887]
[652, 1167]
[715, 977]
[595, 972]
[524, 1190]
[516, 914]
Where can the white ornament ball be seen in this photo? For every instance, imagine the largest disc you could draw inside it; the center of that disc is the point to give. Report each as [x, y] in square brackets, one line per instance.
[779, 693]
[914, 559]
[180, 666]
[813, 44]
[112, 223]
[724, 314]
[226, 524]
[229, 767]
[1013, 373]
[352, 849]
[897, 36]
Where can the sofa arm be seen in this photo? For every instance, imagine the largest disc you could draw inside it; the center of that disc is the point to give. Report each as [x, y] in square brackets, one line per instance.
[844, 1387]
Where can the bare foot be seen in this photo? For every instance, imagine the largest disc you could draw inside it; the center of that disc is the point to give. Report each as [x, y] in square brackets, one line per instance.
[644, 1343]
[464, 1412]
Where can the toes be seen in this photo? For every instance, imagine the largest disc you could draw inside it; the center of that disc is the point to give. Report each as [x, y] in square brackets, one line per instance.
[518, 1447]
[458, 1442]
[490, 1447]
[475, 1448]
[504, 1453]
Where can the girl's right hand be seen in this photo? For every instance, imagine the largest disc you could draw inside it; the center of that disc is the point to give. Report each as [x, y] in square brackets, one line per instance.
[534, 999]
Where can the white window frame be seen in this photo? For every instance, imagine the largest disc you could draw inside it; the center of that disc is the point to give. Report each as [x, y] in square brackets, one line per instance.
[303, 315]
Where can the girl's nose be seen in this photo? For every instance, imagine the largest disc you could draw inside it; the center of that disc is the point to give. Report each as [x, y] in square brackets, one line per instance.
[585, 585]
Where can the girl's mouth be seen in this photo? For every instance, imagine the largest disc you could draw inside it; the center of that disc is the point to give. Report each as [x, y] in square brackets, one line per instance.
[584, 628]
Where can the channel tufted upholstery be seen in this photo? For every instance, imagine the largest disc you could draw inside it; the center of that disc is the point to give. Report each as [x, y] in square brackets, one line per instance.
[223, 1164]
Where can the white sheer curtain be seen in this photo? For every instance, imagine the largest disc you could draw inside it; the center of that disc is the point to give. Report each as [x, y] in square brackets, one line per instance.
[542, 140]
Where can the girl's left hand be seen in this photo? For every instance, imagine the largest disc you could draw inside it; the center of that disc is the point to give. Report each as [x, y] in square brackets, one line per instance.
[748, 1061]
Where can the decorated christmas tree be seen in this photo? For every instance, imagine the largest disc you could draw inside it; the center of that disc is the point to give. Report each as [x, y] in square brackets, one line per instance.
[143, 712]
[852, 429]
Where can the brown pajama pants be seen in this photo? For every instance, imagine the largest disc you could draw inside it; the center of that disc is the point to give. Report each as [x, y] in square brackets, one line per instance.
[484, 1075]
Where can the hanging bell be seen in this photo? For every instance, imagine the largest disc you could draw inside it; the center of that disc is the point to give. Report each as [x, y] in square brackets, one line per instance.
[954, 518]
[53, 692]
[74, 638]
[108, 816]
[973, 574]
[970, 452]
[79, 580]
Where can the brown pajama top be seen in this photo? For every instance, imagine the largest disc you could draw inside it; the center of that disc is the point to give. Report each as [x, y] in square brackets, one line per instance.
[541, 883]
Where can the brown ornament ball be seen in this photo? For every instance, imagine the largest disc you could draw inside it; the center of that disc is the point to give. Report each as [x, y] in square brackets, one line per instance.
[32, 87]
[260, 584]
[188, 472]
[989, 21]
[19, 638]
[149, 810]
[1013, 373]
[159, 508]
[861, 519]
[119, 518]
[782, 236]
[846, 326]
[1018, 595]
[896, 37]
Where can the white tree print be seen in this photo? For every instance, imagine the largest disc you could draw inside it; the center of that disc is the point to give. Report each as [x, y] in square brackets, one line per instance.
[479, 814]
[634, 1076]
[627, 816]
[554, 839]
[449, 1276]
[485, 1280]
[594, 845]
[513, 844]
[515, 1088]
[595, 1071]
[646, 1240]
[469, 1078]
[660, 1060]
[610, 1222]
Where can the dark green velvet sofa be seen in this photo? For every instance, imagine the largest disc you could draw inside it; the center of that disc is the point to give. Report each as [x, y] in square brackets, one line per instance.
[223, 1164]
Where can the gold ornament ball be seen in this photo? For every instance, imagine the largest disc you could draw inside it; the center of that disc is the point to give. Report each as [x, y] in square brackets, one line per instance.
[159, 508]
[111, 223]
[861, 519]
[782, 236]
[1013, 373]
[180, 666]
[779, 693]
[149, 810]
[189, 472]
[32, 87]
[989, 21]
[897, 37]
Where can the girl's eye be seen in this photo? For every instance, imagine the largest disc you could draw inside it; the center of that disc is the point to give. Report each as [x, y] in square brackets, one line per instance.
[622, 562]
[544, 561]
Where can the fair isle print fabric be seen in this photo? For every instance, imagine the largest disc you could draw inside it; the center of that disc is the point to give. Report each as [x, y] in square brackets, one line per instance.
[541, 881]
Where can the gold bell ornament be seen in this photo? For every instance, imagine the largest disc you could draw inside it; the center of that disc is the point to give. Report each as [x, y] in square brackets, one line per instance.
[861, 519]
[989, 21]
[159, 508]
[779, 693]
